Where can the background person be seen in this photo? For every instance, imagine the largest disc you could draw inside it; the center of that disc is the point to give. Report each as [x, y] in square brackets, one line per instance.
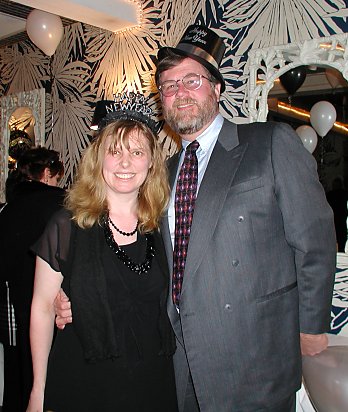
[105, 248]
[32, 198]
[338, 198]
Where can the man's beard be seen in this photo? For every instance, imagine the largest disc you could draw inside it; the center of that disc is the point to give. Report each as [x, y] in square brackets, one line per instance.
[186, 123]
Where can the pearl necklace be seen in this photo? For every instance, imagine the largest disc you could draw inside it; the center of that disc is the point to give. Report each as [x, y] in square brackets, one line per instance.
[140, 268]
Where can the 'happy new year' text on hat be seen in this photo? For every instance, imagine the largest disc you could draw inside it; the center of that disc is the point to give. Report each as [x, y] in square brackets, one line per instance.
[203, 45]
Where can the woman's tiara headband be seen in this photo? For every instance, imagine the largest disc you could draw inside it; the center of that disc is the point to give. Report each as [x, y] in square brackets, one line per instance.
[125, 106]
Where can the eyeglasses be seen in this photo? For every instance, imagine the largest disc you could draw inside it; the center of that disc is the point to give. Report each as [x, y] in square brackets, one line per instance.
[191, 81]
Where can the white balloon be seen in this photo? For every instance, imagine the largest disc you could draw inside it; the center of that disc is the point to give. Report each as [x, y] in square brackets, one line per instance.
[323, 116]
[45, 30]
[308, 136]
[326, 379]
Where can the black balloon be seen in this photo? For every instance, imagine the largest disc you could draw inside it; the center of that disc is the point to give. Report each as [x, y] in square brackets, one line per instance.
[293, 79]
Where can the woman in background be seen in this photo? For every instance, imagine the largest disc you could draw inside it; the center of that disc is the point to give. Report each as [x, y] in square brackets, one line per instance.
[32, 198]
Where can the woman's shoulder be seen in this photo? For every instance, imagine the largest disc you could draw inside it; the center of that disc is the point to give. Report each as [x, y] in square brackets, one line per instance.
[62, 215]
[61, 218]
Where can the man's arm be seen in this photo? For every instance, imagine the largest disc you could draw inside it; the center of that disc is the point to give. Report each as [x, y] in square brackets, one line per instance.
[309, 229]
[62, 307]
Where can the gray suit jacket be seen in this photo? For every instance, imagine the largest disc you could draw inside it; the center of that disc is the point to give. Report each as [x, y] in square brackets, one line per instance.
[260, 269]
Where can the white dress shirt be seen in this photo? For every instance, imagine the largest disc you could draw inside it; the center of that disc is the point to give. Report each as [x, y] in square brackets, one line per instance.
[206, 142]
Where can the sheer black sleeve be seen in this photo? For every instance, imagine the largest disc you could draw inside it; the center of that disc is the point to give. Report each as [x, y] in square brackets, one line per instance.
[53, 245]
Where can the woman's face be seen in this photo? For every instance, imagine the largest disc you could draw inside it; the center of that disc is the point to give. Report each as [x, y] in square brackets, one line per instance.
[125, 168]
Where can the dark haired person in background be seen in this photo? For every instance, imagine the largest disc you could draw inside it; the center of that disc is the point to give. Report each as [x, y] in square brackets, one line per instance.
[32, 197]
[337, 198]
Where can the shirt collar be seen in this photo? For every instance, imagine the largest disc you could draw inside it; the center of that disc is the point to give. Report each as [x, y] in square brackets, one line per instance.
[209, 136]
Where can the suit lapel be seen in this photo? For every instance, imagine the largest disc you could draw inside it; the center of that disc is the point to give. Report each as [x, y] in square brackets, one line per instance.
[219, 175]
[222, 167]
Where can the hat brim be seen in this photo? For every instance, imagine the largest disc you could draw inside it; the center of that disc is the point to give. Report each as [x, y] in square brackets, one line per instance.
[164, 51]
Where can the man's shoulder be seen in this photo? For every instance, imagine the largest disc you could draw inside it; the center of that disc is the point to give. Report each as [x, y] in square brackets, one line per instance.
[260, 130]
[256, 126]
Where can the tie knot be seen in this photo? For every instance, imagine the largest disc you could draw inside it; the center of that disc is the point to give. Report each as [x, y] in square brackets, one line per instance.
[192, 147]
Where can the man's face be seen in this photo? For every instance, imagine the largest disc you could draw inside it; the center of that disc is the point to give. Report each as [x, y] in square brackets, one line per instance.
[190, 112]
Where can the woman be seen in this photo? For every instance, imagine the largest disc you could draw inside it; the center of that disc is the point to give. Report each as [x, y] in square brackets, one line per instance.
[105, 248]
[32, 198]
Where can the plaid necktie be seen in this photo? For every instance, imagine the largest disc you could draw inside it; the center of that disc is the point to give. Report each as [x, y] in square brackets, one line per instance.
[185, 197]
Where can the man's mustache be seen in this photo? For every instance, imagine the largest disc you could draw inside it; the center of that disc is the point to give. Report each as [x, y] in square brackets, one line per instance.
[179, 102]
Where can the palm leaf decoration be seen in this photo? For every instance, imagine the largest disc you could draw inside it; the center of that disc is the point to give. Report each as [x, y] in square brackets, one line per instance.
[3, 55]
[174, 19]
[120, 60]
[74, 39]
[24, 68]
[264, 23]
[68, 75]
[68, 131]
[68, 106]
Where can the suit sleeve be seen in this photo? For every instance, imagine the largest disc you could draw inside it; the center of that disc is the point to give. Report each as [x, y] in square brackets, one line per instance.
[308, 225]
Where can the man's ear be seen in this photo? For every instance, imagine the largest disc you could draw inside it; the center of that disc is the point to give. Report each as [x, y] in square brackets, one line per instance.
[217, 91]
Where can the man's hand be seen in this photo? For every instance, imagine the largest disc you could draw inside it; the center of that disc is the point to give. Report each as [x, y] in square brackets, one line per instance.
[313, 344]
[62, 307]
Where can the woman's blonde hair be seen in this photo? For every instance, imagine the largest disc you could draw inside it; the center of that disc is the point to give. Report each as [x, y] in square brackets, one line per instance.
[87, 197]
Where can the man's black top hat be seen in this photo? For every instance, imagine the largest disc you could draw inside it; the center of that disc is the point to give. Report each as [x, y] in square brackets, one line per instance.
[203, 45]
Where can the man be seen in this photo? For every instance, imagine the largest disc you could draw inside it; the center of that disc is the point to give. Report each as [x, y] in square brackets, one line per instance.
[260, 260]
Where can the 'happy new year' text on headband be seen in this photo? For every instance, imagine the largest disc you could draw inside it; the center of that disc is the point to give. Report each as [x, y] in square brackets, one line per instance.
[125, 106]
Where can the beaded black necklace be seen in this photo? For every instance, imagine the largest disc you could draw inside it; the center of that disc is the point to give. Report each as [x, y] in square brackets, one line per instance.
[140, 268]
[121, 231]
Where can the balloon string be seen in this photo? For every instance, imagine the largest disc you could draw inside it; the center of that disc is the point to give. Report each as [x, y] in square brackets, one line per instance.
[321, 160]
[322, 151]
[51, 70]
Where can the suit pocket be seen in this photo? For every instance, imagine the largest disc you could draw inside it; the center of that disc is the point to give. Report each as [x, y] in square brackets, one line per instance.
[277, 293]
[246, 186]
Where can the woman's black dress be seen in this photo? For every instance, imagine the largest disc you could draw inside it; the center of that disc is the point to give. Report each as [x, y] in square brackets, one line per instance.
[137, 381]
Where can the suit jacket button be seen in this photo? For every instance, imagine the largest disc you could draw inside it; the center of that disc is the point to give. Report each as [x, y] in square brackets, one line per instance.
[235, 262]
[240, 218]
[228, 306]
